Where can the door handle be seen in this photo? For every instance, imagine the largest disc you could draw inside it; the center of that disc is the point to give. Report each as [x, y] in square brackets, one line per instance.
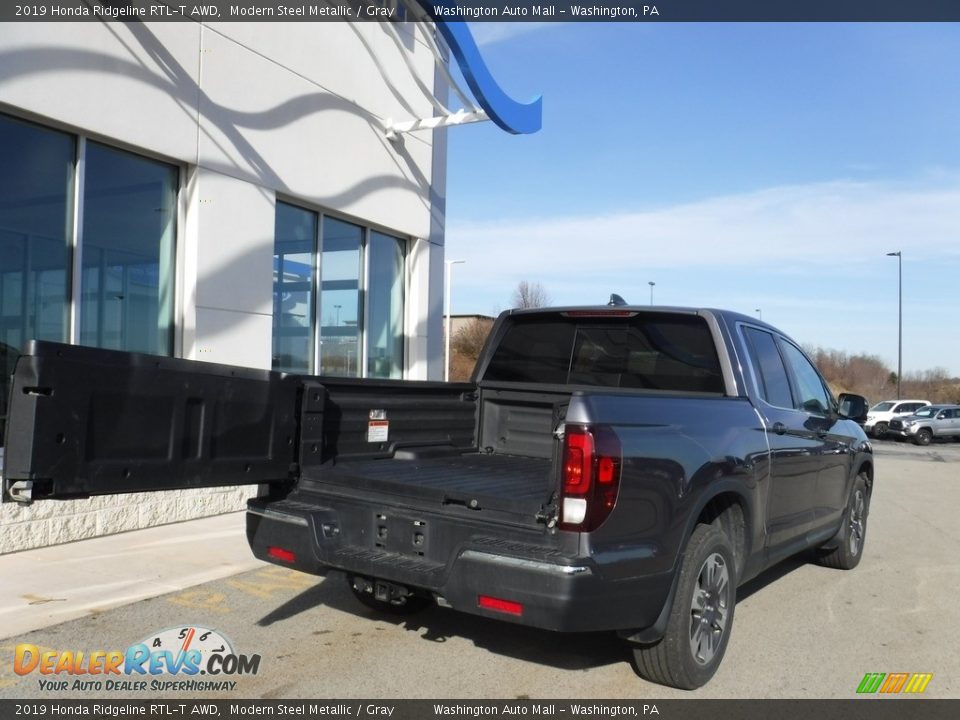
[779, 428]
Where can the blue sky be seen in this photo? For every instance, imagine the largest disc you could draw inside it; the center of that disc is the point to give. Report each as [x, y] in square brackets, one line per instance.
[736, 166]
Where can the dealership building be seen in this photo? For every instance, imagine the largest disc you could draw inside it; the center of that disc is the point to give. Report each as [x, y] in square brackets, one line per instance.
[229, 192]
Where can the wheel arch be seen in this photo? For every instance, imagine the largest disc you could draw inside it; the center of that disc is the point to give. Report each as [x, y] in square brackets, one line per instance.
[723, 501]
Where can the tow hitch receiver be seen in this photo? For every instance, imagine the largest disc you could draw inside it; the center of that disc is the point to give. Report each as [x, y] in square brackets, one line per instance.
[381, 590]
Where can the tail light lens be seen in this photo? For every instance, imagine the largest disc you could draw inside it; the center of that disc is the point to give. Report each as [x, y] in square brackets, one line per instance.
[591, 477]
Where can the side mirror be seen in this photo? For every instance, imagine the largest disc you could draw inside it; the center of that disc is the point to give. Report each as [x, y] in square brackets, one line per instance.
[852, 407]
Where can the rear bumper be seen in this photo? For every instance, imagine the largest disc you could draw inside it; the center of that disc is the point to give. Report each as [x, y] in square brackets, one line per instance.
[541, 589]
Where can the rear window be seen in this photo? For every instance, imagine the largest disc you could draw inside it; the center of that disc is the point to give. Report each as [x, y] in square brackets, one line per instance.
[657, 351]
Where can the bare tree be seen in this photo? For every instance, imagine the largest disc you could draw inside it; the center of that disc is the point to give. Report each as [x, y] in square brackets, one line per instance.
[867, 375]
[530, 295]
[468, 340]
[465, 347]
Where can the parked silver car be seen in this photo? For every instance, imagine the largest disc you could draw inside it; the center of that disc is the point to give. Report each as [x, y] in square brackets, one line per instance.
[940, 421]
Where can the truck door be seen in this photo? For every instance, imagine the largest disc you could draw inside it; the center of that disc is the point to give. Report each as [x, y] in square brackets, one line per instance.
[794, 448]
[831, 436]
[85, 421]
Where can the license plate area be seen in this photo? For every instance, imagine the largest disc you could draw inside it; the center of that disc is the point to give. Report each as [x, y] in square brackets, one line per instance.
[400, 534]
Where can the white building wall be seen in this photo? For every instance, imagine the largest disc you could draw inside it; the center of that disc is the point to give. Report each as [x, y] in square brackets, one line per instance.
[249, 111]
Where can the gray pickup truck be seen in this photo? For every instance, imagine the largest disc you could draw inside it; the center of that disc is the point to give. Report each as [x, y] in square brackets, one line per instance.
[933, 421]
[608, 468]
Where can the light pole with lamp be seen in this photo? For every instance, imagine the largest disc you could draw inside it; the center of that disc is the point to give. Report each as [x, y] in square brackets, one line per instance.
[899, 318]
[651, 283]
[759, 313]
[446, 353]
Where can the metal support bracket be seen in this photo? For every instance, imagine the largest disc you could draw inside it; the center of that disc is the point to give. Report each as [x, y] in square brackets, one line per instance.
[461, 117]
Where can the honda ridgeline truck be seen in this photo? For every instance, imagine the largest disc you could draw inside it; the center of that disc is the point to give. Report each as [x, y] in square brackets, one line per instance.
[607, 468]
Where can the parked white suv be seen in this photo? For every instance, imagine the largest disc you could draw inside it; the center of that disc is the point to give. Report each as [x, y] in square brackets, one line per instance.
[880, 415]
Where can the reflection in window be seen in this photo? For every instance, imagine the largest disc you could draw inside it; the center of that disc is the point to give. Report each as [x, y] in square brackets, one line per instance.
[385, 315]
[129, 226]
[813, 396]
[340, 298]
[35, 215]
[35, 211]
[295, 237]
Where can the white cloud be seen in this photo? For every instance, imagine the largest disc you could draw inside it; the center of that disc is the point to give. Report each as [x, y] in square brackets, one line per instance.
[488, 33]
[798, 228]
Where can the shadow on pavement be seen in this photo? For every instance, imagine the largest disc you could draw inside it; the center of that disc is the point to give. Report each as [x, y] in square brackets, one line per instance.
[568, 651]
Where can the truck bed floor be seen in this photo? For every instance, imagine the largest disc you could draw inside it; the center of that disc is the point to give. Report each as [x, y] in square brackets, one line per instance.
[507, 482]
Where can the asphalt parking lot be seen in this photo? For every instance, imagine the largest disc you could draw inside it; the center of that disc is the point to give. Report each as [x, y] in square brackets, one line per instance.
[801, 631]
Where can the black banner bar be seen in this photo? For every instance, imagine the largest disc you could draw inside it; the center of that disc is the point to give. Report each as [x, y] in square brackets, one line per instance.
[484, 10]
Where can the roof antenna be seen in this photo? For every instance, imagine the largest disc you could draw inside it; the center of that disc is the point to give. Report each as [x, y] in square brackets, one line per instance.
[616, 300]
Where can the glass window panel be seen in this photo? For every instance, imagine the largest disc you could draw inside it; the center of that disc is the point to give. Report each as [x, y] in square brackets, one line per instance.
[340, 268]
[36, 187]
[294, 259]
[769, 369]
[385, 314]
[813, 395]
[129, 228]
[655, 351]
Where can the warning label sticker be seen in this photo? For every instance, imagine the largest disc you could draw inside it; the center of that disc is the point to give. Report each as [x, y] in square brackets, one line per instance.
[378, 431]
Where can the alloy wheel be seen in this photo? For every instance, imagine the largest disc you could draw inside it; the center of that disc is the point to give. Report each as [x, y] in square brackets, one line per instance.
[709, 608]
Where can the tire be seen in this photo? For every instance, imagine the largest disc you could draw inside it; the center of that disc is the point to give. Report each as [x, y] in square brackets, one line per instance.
[408, 605]
[853, 534]
[687, 657]
[923, 437]
[880, 429]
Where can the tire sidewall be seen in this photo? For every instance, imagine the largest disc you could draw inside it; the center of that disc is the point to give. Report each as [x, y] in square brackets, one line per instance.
[851, 560]
[706, 540]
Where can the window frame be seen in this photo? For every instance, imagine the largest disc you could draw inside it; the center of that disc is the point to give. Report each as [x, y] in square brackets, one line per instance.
[75, 246]
[367, 229]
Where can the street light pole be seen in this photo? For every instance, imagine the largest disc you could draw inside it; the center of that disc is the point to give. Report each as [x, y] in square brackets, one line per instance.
[899, 318]
[759, 313]
[446, 344]
[651, 283]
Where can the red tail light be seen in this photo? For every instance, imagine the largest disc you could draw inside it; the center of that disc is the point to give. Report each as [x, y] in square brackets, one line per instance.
[283, 554]
[591, 477]
[500, 605]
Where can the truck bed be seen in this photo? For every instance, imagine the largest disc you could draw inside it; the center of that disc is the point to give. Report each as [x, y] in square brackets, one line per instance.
[477, 481]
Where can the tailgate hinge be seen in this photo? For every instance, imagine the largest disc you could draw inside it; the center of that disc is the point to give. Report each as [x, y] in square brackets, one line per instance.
[21, 491]
[549, 513]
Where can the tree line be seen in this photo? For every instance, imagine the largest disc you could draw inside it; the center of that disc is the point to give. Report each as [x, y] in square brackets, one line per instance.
[858, 373]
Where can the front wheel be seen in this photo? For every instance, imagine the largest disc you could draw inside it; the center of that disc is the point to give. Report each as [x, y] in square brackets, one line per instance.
[923, 437]
[853, 534]
[879, 430]
[701, 618]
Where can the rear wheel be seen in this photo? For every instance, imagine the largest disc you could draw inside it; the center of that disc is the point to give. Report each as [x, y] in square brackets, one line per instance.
[880, 429]
[701, 618]
[849, 549]
[923, 437]
[385, 597]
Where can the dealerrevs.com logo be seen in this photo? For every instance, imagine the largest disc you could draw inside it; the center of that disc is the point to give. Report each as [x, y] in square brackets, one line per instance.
[182, 653]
